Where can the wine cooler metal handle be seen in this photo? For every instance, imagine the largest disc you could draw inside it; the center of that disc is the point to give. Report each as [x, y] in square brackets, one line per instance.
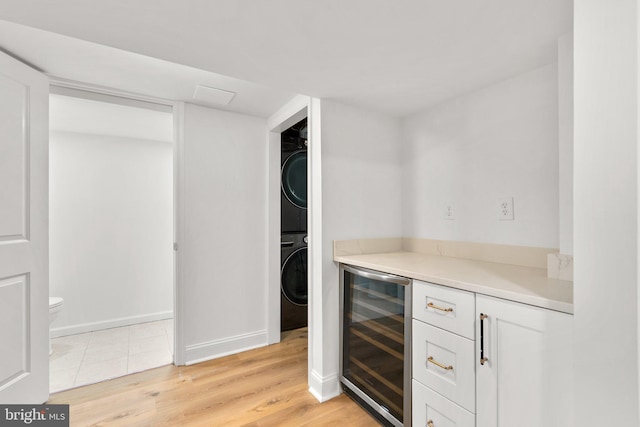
[376, 275]
[482, 358]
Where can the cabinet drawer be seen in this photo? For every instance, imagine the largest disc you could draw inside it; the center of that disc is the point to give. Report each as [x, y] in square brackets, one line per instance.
[446, 308]
[456, 380]
[427, 405]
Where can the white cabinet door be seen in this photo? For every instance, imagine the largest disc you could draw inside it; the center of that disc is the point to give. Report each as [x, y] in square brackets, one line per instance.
[24, 269]
[526, 380]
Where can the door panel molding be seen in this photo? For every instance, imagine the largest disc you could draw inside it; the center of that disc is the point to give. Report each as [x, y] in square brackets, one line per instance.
[15, 303]
[14, 161]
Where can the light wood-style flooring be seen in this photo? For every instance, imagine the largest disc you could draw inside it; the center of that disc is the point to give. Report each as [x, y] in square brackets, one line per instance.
[262, 387]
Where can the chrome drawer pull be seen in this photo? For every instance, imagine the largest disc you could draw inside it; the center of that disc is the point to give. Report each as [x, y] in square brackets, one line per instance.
[435, 362]
[430, 423]
[432, 305]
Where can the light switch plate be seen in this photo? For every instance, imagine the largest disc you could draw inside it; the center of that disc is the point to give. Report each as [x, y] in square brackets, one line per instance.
[449, 211]
[505, 209]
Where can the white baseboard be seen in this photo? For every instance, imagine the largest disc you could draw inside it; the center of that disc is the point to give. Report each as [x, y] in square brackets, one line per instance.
[324, 388]
[110, 323]
[209, 350]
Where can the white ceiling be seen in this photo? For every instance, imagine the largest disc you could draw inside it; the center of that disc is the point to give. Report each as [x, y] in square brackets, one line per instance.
[82, 61]
[392, 56]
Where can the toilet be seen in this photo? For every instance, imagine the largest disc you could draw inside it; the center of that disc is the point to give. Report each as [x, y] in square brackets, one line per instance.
[55, 304]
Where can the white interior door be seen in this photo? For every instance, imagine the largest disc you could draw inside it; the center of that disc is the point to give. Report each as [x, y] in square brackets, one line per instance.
[24, 254]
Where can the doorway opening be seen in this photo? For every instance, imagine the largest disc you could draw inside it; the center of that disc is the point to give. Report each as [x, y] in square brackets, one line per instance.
[111, 210]
[293, 227]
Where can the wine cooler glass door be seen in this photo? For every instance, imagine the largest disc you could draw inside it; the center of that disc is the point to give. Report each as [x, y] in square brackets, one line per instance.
[373, 349]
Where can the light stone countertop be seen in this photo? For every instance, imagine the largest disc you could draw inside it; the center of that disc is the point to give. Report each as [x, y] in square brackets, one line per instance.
[528, 285]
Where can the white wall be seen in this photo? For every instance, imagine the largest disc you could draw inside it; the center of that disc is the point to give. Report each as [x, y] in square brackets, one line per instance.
[606, 212]
[361, 178]
[223, 224]
[111, 229]
[500, 141]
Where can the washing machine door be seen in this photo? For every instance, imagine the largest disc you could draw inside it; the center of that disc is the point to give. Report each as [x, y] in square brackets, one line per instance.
[294, 277]
[294, 178]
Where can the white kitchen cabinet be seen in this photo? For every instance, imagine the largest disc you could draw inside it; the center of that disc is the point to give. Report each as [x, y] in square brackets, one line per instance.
[443, 369]
[432, 410]
[447, 308]
[526, 380]
[445, 363]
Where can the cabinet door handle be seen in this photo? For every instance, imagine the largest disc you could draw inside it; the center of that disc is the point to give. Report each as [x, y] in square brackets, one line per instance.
[435, 362]
[430, 423]
[482, 358]
[432, 305]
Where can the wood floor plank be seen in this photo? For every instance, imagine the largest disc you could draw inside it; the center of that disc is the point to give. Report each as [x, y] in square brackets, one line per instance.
[259, 388]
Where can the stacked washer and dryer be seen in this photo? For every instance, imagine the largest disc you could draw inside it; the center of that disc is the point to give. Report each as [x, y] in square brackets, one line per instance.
[293, 242]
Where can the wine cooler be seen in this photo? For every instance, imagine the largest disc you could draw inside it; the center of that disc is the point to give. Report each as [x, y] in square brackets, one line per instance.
[375, 345]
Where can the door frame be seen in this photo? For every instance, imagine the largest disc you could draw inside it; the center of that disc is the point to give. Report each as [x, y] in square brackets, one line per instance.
[291, 113]
[133, 99]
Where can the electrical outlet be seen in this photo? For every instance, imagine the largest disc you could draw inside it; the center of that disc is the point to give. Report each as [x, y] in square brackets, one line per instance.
[505, 209]
[449, 211]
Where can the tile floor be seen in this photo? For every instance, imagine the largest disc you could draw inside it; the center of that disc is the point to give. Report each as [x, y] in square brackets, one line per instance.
[97, 356]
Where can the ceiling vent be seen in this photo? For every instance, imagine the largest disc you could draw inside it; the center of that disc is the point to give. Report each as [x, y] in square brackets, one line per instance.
[212, 95]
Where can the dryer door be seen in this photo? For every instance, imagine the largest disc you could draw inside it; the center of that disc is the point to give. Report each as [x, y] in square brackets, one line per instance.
[294, 277]
[294, 178]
